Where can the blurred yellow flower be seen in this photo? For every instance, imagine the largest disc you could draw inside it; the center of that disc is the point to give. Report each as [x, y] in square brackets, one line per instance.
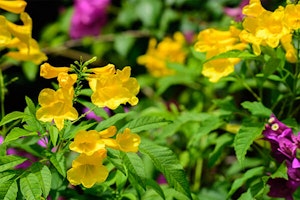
[17, 6]
[112, 89]
[215, 42]
[48, 71]
[157, 55]
[25, 52]
[87, 142]
[292, 16]
[127, 141]
[290, 50]
[57, 106]
[88, 170]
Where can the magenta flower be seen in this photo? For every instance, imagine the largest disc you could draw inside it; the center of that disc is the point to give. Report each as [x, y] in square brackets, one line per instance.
[236, 13]
[88, 18]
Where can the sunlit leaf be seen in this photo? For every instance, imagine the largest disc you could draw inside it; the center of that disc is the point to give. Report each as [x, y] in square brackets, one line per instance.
[10, 161]
[30, 187]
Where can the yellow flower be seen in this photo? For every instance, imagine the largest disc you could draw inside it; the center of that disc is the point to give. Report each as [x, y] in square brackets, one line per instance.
[290, 50]
[22, 32]
[157, 55]
[88, 170]
[66, 80]
[215, 42]
[106, 137]
[25, 52]
[265, 28]
[253, 9]
[48, 71]
[57, 106]
[87, 142]
[17, 6]
[128, 142]
[5, 35]
[111, 90]
[292, 16]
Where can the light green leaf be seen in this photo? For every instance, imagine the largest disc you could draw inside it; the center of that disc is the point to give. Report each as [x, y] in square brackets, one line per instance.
[149, 11]
[112, 120]
[245, 137]
[30, 70]
[58, 161]
[167, 163]
[281, 172]
[145, 123]
[6, 176]
[155, 186]
[136, 169]
[16, 133]
[15, 115]
[257, 171]
[8, 190]
[30, 187]
[257, 108]
[30, 105]
[233, 54]
[53, 132]
[123, 44]
[43, 174]
[8, 162]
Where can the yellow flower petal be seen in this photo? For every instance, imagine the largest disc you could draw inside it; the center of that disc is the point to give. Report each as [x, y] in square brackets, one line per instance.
[17, 6]
[48, 71]
[66, 80]
[128, 142]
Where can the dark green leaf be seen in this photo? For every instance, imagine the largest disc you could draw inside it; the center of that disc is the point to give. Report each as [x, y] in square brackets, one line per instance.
[166, 162]
[8, 190]
[257, 108]
[245, 137]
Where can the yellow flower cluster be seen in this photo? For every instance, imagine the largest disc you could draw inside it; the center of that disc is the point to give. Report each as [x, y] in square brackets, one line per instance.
[266, 28]
[110, 89]
[260, 28]
[215, 42]
[19, 36]
[88, 169]
[157, 55]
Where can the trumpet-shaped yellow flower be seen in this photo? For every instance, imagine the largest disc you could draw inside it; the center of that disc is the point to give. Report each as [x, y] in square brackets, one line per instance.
[48, 71]
[87, 142]
[253, 9]
[157, 55]
[25, 52]
[112, 89]
[17, 6]
[106, 137]
[66, 80]
[57, 106]
[292, 16]
[290, 50]
[215, 42]
[88, 170]
[127, 141]
[5, 35]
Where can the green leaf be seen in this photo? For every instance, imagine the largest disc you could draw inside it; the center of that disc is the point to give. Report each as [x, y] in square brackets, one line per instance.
[30, 70]
[145, 123]
[16, 133]
[30, 187]
[155, 186]
[247, 175]
[30, 105]
[245, 137]
[271, 66]
[58, 161]
[43, 174]
[136, 169]
[6, 176]
[8, 162]
[281, 172]
[112, 120]
[167, 163]
[8, 190]
[257, 108]
[15, 115]
[149, 11]
[164, 83]
[53, 132]
[123, 44]
[233, 54]
[221, 143]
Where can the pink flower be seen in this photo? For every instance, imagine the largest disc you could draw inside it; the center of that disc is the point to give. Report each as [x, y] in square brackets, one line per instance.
[236, 13]
[88, 18]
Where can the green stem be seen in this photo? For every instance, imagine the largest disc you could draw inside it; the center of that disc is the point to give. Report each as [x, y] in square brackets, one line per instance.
[2, 94]
[198, 174]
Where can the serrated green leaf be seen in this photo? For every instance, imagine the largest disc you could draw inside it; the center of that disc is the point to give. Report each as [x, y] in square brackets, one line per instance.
[247, 175]
[245, 137]
[257, 108]
[43, 174]
[6, 176]
[135, 167]
[15, 115]
[145, 123]
[16, 133]
[8, 162]
[112, 120]
[30, 187]
[8, 190]
[281, 172]
[58, 161]
[167, 163]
